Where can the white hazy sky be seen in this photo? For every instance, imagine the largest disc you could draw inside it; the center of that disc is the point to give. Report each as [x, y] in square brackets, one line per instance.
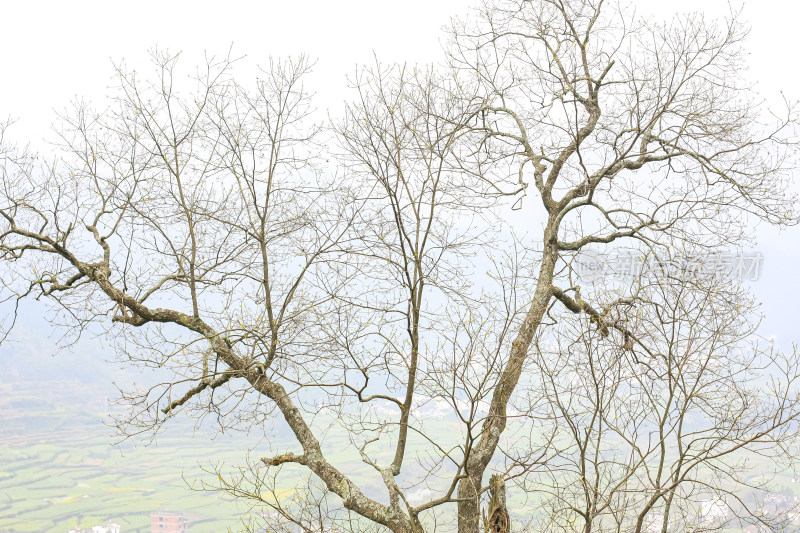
[53, 51]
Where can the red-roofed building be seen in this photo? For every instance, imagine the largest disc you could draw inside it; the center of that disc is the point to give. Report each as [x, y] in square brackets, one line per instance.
[167, 522]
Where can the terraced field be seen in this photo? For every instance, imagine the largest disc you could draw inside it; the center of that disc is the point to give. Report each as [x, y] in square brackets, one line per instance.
[59, 470]
[43, 488]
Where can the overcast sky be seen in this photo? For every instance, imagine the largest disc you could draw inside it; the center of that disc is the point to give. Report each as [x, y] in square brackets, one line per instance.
[52, 51]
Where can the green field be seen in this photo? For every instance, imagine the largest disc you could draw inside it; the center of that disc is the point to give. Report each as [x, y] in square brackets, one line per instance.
[58, 486]
[59, 470]
[60, 467]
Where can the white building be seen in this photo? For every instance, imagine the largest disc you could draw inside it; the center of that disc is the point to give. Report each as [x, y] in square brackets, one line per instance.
[713, 512]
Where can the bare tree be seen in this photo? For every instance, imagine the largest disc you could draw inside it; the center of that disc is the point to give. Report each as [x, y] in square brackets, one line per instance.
[389, 307]
[628, 130]
[650, 433]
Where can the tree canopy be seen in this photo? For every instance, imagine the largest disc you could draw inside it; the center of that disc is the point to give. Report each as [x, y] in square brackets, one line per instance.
[407, 274]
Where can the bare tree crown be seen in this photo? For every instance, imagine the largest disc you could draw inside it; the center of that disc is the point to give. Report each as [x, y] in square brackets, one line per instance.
[201, 224]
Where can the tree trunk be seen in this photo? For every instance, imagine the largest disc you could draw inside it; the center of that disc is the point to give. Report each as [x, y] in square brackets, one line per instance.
[495, 423]
[469, 515]
[498, 520]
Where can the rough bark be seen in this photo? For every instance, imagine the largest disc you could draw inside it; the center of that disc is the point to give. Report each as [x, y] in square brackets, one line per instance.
[470, 487]
[497, 519]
